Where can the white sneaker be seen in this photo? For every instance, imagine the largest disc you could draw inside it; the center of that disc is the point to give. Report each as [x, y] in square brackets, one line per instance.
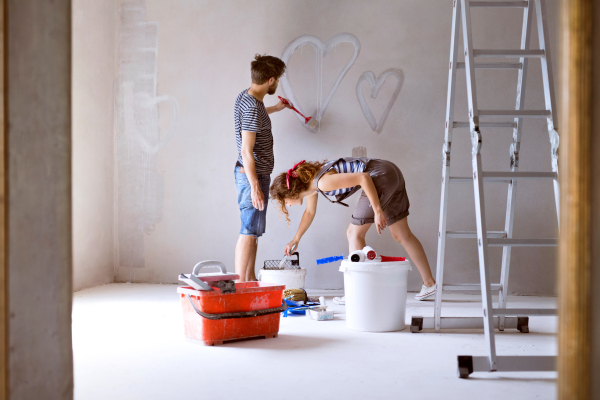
[340, 300]
[426, 292]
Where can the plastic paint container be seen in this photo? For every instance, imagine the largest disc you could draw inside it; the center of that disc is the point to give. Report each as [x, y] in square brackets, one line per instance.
[375, 295]
[291, 278]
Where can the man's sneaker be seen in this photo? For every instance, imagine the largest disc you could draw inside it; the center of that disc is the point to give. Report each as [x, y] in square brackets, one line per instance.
[426, 292]
[340, 300]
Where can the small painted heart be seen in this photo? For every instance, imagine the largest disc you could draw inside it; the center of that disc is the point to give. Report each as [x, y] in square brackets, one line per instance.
[375, 85]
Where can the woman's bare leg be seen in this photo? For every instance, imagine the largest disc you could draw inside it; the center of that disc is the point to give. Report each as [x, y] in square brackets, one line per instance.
[356, 236]
[403, 235]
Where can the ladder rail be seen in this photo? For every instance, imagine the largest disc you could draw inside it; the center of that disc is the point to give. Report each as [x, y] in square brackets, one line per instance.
[439, 274]
[514, 163]
[486, 295]
[549, 98]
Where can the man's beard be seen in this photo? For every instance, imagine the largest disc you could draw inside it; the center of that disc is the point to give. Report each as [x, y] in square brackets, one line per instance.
[272, 89]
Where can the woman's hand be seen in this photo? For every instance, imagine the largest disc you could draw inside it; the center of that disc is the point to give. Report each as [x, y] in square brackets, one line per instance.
[380, 221]
[288, 247]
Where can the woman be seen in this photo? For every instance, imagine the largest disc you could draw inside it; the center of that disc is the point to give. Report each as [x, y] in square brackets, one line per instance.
[383, 202]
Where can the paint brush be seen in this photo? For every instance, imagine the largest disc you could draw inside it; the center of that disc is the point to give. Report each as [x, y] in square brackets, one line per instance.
[310, 121]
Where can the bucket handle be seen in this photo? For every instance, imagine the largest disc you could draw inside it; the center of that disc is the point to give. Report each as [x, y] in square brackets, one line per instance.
[208, 264]
[239, 314]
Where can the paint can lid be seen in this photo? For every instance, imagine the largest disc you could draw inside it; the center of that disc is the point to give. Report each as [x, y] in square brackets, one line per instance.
[375, 266]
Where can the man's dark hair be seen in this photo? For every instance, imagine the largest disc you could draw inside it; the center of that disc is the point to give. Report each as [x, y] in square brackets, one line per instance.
[265, 67]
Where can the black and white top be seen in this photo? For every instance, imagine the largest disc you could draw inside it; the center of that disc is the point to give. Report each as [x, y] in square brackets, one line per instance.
[251, 115]
[344, 166]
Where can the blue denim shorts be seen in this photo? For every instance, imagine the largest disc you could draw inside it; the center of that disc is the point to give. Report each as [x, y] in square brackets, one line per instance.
[253, 220]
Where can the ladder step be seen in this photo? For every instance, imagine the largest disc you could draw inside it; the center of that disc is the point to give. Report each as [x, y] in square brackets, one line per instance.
[522, 312]
[461, 65]
[470, 286]
[460, 179]
[515, 113]
[462, 124]
[493, 176]
[518, 53]
[523, 242]
[503, 4]
[473, 234]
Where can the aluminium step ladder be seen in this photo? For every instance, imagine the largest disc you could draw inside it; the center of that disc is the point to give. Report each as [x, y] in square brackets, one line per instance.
[500, 317]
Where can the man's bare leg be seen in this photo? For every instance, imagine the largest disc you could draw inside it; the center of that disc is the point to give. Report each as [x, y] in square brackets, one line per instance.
[250, 267]
[244, 250]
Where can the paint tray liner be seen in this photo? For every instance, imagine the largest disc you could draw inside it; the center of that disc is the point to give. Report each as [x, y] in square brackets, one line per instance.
[318, 314]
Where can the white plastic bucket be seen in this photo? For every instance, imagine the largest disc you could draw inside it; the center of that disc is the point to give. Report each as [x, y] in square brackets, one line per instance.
[291, 278]
[375, 295]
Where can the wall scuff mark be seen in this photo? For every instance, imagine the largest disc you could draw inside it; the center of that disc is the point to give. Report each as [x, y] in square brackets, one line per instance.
[139, 191]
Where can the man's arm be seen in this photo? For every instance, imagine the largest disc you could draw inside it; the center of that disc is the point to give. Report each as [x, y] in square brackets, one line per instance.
[278, 107]
[248, 139]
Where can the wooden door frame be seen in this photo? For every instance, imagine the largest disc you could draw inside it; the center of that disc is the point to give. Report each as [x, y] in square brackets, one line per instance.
[575, 262]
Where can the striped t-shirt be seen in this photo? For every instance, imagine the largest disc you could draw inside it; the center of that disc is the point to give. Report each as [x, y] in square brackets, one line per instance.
[346, 167]
[251, 115]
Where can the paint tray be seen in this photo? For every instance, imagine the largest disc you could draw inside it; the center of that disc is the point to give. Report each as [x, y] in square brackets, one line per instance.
[213, 317]
[288, 264]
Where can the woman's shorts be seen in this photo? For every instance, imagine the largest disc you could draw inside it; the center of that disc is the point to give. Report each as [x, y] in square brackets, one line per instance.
[253, 220]
[391, 191]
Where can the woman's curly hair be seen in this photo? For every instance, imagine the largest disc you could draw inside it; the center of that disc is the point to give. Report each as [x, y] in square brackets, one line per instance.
[279, 191]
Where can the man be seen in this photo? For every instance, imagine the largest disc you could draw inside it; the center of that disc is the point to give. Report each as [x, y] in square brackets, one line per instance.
[255, 158]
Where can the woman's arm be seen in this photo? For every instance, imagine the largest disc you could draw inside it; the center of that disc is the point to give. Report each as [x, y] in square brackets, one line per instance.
[307, 219]
[341, 181]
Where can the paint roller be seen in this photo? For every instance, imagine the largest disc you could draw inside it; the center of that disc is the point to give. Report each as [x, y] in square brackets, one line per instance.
[310, 121]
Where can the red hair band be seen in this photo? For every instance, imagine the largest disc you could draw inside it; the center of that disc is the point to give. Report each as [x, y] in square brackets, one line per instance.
[292, 173]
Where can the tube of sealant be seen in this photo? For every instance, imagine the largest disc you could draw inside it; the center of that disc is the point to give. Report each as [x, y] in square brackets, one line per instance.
[369, 252]
[357, 256]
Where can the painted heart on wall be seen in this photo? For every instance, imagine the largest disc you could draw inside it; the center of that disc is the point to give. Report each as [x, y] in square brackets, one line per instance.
[375, 85]
[321, 49]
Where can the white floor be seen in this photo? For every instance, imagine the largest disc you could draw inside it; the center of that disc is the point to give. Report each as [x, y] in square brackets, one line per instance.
[128, 344]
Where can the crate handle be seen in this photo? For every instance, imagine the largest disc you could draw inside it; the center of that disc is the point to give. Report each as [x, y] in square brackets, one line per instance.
[239, 314]
[208, 264]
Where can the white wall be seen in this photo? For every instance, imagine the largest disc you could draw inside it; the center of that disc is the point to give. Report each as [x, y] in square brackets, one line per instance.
[180, 67]
[93, 63]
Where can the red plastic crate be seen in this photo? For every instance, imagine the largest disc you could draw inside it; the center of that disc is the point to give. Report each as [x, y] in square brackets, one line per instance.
[249, 296]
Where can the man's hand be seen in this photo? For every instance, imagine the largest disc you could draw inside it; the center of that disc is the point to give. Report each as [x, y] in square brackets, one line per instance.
[258, 198]
[281, 105]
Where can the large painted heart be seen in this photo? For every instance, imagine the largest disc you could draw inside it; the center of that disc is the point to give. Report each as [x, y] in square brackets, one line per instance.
[375, 85]
[322, 49]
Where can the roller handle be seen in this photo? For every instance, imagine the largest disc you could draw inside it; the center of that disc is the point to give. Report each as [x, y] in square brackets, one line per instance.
[209, 264]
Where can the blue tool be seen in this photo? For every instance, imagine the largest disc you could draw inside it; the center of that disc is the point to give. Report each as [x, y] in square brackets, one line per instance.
[329, 260]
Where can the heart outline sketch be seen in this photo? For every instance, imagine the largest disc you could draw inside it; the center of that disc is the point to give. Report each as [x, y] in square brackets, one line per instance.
[322, 49]
[369, 77]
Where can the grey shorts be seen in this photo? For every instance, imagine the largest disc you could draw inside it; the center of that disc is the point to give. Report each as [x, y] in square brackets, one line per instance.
[391, 191]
